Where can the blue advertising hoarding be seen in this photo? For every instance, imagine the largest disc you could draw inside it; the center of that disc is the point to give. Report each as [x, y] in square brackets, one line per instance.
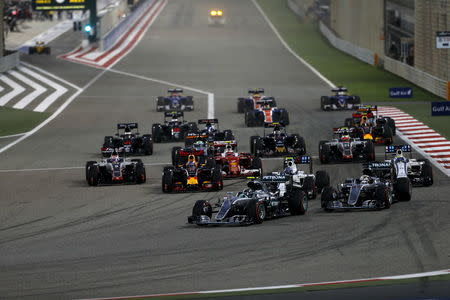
[440, 108]
[400, 92]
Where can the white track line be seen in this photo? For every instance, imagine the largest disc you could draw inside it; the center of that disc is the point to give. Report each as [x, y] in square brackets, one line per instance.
[16, 90]
[210, 106]
[38, 90]
[12, 135]
[60, 90]
[51, 75]
[314, 70]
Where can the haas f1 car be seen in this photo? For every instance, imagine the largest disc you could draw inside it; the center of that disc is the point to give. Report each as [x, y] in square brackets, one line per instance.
[197, 174]
[127, 141]
[115, 170]
[340, 100]
[175, 101]
[266, 113]
[277, 143]
[173, 130]
[234, 164]
[252, 100]
[271, 197]
[346, 149]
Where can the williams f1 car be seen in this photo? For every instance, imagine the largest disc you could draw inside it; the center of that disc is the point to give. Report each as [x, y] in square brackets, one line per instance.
[175, 101]
[271, 197]
[341, 100]
[173, 130]
[127, 141]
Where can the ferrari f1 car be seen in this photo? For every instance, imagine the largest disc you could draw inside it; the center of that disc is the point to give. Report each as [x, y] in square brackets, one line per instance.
[271, 197]
[216, 17]
[251, 102]
[346, 149]
[306, 180]
[127, 141]
[266, 113]
[341, 100]
[277, 143]
[363, 193]
[175, 101]
[235, 164]
[173, 130]
[197, 174]
[39, 48]
[115, 170]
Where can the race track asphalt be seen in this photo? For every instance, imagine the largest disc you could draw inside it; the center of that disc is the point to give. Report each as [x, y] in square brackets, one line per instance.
[61, 239]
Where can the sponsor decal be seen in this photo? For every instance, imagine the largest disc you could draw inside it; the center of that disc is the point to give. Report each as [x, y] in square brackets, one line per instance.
[400, 92]
[440, 108]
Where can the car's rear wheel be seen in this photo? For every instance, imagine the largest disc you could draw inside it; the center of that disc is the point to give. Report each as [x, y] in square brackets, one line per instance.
[298, 202]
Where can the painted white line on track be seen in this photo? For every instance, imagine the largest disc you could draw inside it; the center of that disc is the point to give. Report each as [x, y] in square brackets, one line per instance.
[51, 75]
[314, 70]
[16, 90]
[38, 90]
[289, 286]
[12, 135]
[64, 168]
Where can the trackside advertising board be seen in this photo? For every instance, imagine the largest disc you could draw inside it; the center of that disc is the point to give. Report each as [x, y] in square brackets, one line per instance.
[440, 108]
[61, 4]
[400, 92]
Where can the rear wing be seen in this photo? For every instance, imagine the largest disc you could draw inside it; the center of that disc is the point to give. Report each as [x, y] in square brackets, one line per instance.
[381, 170]
[392, 149]
[265, 101]
[127, 125]
[273, 125]
[210, 121]
[339, 89]
[275, 178]
[175, 90]
[341, 130]
[301, 160]
[256, 91]
[173, 114]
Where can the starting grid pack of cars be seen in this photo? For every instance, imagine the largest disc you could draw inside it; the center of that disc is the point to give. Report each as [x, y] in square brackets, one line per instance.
[210, 155]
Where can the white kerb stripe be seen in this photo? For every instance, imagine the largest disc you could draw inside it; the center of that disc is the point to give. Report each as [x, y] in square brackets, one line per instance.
[38, 90]
[16, 90]
[419, 131]
[433, 143]
[60, 90]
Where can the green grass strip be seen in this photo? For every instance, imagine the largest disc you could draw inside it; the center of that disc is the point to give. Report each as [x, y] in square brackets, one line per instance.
[14, 121]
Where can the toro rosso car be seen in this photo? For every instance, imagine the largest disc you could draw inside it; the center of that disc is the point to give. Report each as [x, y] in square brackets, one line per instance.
[127, 141]
[194, 175]
[363, 193]
[306, 180]
[234, 164]
[175, 101]
[341, 100]
[172, 130]
[252, 100]
[115, 170]
[266, 113]
[277, 143]
[271, 197]
[346, 149]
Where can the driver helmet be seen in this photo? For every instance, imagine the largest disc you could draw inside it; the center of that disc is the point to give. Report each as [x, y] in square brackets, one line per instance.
[256, 97]
[127, 131]
[210, 127]
[229, 149]
[345, 137]
[399, 153]
[290, 168]
[114, 156]
[364, 179]
[199, 144]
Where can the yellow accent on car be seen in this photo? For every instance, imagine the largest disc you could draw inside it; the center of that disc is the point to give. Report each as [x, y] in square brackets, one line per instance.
[368, 136]
[213, 13]
[192, 180]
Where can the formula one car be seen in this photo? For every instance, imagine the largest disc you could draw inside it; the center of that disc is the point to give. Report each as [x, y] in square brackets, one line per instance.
[39, 48]
[196, 174]
[174, 130]
[251, 102]
[266, 113]
[216, 17]
[363, 193]
[341, 100]
[127, 142]
[305, 180]
[198, 149]
[271, 197]
[175, 101]
[115, 170]
[346, 149]
[211, 135]
[235, 164]
[277, 143]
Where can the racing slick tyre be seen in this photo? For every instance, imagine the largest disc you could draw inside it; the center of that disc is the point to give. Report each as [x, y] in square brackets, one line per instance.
[324, 100]
[31, 50]
[391, 124]
[326, 198]
[189, 103]
[147, 144]
[88, 166]
[258, 147]
[141, 176]
[202, 208]
[403, 189]
[284, 117]
[252, 144]
[241, 105]
[309, 188]
[210, 163]
[324, 152]
[93, 175]
[217, 179]
[175, 155]
[349, 122]
[387, 134]
[250, 119]
[370, 151]
[382, 197]
[298, 202]
[355, 100]
[322, 180]
[256, 211]
[300, 145]
[160, 104]
[167, 180]
[156, 133]
[426, 173]
[257, 164]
